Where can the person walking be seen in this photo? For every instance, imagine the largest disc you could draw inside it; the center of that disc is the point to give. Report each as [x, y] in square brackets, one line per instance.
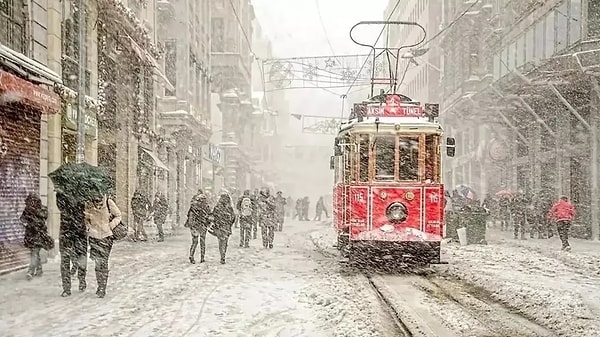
[161, 209]
[224, 218]
[140, 206]
[268, 218]
[101, 216]
[36, 237]
[198, 220]
[563, 213]
[320, 209]
[280, 203]
[255, 213]
[245, 209]
[72, 241]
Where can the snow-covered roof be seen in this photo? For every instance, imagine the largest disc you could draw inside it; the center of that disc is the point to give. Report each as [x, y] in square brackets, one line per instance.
[398, 124]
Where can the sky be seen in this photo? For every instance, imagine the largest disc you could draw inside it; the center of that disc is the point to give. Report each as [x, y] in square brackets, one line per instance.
[295, 30]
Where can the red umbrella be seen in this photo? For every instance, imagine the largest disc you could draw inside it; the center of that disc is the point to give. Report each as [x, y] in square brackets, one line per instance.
[504, 193]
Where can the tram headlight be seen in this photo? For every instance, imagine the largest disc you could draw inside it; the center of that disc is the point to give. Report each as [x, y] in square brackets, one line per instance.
[396, 212]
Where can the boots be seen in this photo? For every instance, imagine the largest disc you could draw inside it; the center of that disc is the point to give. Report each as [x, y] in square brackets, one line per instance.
[102, 280]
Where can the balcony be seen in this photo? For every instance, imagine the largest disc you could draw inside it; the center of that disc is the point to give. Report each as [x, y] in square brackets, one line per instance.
[177, 116]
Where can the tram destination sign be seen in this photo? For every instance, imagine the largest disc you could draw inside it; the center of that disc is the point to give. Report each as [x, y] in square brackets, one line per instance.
[394, 108]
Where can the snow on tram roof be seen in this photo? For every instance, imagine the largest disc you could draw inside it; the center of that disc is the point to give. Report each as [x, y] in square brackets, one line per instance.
[420, 122]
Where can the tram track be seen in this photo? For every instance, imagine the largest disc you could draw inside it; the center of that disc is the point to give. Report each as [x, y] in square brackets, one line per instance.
[429, 304]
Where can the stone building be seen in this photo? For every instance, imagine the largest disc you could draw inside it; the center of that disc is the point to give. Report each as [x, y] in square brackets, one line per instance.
[231, 66]
[184, 110]
[522, 100]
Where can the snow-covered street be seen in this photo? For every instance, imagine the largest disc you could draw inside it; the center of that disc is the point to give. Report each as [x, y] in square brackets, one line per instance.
[506, 288]
[153, 290]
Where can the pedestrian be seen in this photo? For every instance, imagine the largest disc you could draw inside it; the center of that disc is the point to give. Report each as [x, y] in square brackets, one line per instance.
[320, 209]
[268, 218]
[101, 216]
[505, 212]
[305, 208]
[224, 218]
[563, 213]
[280, 203]
[140, 206]
[245, 209]
[519, 210]
[198, 220]
[298, 210]
[161, 209]
[34, 218]
[72, 241]
[255, 213]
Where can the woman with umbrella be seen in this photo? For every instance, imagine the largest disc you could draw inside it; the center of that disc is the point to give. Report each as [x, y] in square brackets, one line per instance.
[198, 220]
[36, 232]
[101, 216]
[224, 218]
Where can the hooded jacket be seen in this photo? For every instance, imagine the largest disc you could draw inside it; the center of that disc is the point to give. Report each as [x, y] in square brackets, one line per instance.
[563, 210]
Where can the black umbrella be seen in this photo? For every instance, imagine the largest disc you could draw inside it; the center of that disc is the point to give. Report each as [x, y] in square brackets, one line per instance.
[82, 180]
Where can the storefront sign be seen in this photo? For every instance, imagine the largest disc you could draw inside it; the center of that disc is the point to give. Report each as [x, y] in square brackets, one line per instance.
[14, 87]
[393, 108]
[91, 123]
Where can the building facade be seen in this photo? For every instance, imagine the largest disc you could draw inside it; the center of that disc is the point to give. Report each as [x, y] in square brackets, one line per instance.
[522, 101]
[184, 105]
[231, 66]
[418, 77]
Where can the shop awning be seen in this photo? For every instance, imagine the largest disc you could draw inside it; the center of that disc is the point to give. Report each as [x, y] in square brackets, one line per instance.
[16, 89]
[157, 162]
[147, 58]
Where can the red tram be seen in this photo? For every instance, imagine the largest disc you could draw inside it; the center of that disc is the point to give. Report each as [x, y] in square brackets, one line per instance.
[388, 194]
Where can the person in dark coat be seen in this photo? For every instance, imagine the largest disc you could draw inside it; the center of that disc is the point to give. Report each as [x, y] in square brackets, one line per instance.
[519, 212]
[305, 208]
[224, 218]
[298, 209]
[140, 207]
[161, 209]
[73, 241]
[34, 218]
[198, 220]
[268, 218]
[320, 209]
[255, 211]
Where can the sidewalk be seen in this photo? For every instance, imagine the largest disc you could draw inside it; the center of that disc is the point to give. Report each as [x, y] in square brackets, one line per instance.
[584, 255]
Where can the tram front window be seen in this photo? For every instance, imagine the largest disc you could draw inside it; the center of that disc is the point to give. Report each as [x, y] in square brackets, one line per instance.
[408, 165]
[385, 153]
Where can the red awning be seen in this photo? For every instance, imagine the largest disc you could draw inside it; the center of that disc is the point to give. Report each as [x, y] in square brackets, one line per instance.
[14, 89]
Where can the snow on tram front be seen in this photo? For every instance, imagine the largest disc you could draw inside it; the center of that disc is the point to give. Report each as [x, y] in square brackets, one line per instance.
[388, 193]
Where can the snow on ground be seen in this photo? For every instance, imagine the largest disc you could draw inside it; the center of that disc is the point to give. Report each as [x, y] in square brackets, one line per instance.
[584, 256]
[558, 290]
[153, 290]
[544, 288]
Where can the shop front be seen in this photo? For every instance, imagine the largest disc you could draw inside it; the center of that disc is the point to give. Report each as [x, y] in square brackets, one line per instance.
[21, 105]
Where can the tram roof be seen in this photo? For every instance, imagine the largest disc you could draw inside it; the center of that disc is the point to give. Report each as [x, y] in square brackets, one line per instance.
[395, 124]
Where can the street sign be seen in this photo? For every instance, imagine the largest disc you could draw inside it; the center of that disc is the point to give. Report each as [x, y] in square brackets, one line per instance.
[214, 153]
[393, 108]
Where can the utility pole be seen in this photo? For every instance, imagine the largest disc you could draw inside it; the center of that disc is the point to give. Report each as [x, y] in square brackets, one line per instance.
[81, 87]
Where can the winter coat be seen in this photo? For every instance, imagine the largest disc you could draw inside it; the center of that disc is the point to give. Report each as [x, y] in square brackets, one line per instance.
[280, 203]
[198, 217]
[224, 217]
[36, 230]
[161, 209]
[252, 205]
[268, 210]
[561, 211]
[98, 218]
[73, 232]
[140, 205]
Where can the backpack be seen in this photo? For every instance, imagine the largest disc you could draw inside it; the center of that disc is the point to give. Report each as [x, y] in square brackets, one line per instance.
[246, 207]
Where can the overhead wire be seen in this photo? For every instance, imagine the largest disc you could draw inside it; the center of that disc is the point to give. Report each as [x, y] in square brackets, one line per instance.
[325, 30]
[452, 23]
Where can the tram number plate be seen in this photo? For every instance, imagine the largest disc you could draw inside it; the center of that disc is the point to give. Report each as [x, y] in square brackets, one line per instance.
[359, 197]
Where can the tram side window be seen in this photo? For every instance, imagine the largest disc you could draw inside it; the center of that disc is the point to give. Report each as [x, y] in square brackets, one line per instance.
[363, 154]
[408, 165]
[432, 164]
[385, 155]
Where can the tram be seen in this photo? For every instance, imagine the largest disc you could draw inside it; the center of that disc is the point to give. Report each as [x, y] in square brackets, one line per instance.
[388, 192]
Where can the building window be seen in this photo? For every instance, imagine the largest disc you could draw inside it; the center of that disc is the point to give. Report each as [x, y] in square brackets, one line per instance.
[575, 20]
[550, 35]
[520, 51]
[218, 35]
[539, 40]
[171, 64]
[70, 48]
[12, 25]
[562, 22]
[530, 45]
